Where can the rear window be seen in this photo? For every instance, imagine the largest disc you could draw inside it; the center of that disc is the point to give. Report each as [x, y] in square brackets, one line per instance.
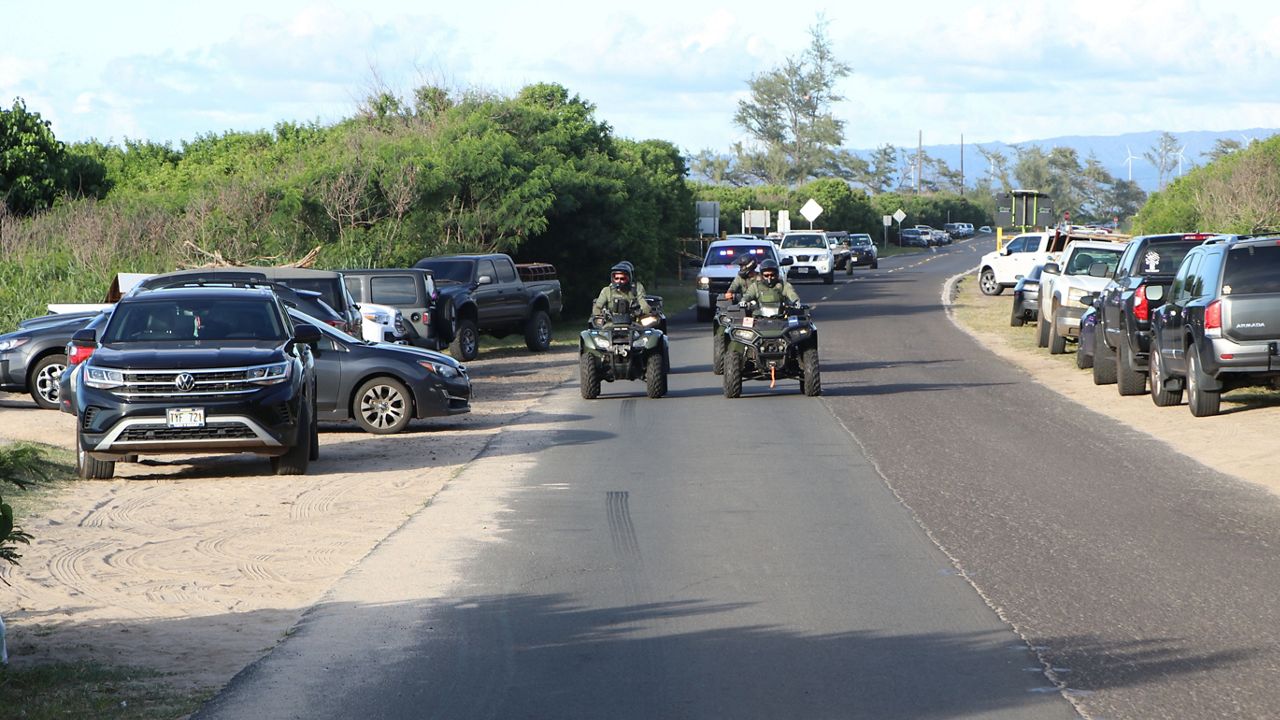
[729, 254]
[353, 287]
[449, 270]
[1086, 257]
[328, 289]
[1164, 258]
[1252, 269]
[393, 290]
[196, 319]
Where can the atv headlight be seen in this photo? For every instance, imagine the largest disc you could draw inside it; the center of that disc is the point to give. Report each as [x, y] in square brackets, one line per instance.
[103, 378]
[602, 343]
[745, 335]
[272, 374]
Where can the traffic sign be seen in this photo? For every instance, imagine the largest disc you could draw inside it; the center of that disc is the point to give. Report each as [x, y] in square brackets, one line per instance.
[811, 210]
[899, 216]
[888, 220]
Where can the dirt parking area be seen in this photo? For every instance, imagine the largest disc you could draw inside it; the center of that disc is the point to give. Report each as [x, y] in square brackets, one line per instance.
[198, 566]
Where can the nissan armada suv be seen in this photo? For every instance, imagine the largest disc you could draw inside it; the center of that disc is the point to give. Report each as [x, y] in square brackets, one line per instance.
[197, 369]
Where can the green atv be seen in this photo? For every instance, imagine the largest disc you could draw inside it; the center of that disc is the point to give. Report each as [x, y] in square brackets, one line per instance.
[772, 341]
[727, 313]
[623, 346]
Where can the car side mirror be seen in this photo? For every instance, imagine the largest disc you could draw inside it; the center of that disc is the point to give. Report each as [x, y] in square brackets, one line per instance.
[1089, 300]
[1051, 269]
[307, 334]
[484, 280]
[786, 261]
[1099, 270]
[85, 337]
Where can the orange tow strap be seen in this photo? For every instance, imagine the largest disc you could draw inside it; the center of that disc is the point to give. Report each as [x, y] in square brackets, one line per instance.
[773, 377]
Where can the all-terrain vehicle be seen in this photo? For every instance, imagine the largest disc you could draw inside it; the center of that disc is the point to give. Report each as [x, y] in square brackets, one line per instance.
[728, 312]
[623, 345]
[772, 341]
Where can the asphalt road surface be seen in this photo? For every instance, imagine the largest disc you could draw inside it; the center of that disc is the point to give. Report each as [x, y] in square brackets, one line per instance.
[938, 536]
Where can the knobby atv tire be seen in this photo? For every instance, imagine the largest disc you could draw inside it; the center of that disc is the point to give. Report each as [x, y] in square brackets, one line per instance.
[298, 457]
[1128, 381]
[466, 343]
[1161, 396]
[987, 282]
[732, 374]
[588, 376]
[537, 331]
[1104, 364]
[718, 343]
[655, 378]
[704, 314]
[812, 382]
[1203, 402]
[90, 469]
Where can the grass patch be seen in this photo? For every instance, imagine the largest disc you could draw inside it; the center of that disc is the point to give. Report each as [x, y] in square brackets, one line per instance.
[89, 690]
[59, 471]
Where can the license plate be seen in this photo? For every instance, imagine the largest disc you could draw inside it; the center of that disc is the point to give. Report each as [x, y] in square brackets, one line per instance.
[802, 270]
[185, 417]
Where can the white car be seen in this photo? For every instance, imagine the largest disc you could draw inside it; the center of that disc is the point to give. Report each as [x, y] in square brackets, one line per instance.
[721, 266]
[1003, 268]
[810, 254]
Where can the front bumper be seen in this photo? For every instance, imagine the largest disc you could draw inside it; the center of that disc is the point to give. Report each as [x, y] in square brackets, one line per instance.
[862, 258]
[801, 271]
[441, 398]
[1068, 321]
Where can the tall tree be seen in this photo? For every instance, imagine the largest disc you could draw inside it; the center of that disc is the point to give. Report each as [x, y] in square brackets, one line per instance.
[882, 170]
[997, 169]
[1163, 156]
[31, 158]
[795, 136]
[1222, 147]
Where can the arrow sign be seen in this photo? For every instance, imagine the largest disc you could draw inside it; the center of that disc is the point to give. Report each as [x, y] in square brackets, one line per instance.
[811, 210]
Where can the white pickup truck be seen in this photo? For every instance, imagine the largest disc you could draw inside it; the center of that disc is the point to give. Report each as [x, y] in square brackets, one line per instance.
[1003, 268]
[1084, 267]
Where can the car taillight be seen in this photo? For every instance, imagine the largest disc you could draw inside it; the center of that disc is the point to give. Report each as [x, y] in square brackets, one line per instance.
[1213, 318]
[1141, 308]
[78, 354]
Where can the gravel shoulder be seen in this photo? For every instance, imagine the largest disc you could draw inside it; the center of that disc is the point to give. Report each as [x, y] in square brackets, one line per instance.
[198, 566]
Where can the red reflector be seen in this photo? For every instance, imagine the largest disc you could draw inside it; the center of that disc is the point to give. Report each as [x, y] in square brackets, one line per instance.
[1213, 315]
[1228, 356]
[340, 324]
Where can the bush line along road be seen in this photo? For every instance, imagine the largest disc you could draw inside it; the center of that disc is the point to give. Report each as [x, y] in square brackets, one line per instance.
[938, 536]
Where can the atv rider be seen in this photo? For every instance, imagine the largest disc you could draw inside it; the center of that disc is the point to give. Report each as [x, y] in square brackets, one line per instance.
[621, 287]
[746, 277]
[771, 287]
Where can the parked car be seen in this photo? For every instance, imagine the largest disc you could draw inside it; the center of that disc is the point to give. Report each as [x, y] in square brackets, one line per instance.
[32, 358]
[1141, 281]
[1000, 269]
[1219, 328]
[382, 386]
[1026, 298]
[326, 282]
[383, 323]
[985, 229]
[412, 291]
[721, 265]
[1086, 267]
[1088, 326]
[862, 253]
[811, 257]
[911, 237]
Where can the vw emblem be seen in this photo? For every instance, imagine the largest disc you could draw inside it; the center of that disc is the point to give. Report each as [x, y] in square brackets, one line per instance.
[186, 382]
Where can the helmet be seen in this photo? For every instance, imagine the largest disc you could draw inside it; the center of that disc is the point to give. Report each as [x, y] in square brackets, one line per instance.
[746, 265]
[620, 275]
[769, 272]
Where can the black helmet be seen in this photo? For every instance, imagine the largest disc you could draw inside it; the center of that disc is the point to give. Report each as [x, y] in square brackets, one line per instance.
[770, 266]
[746, 265]
[620, 275]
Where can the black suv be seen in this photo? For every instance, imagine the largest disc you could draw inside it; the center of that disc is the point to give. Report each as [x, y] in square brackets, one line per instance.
[195, 370]
[1219, 329]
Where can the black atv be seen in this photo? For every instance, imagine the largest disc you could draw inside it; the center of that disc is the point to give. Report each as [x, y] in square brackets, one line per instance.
[772, 341]
[623, 346]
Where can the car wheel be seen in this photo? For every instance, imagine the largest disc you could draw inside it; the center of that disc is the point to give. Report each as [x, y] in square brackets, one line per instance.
[812, 382]
[382, 406]
[537, 331]
[848, 268]
[1015, 317]
[1104, 366]
[1042, 331]
[43, 384]
[1084, 358]
[1128, 381]
[718, 342]
[296, 459]
[1057, 343]
[732, 374]
[466, 343]
[655, 378]
[987, 282]
[1161, 396]
[90, 469]
[829, 278]
[1203, 402]
[588, 376]
[875, 264]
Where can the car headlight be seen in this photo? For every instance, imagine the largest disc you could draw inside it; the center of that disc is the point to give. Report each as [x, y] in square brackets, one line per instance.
[704, 282]
[379, 316]
[441, 369]
[103, 378]
[13, 343]
[1074, 295]
[272, 374]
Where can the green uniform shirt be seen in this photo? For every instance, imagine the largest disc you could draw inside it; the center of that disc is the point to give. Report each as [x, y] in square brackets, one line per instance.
[741, 284]
[765, 294]
[604, 301]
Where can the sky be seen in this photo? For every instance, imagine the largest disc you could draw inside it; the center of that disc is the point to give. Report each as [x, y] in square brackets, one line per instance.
[990, 71]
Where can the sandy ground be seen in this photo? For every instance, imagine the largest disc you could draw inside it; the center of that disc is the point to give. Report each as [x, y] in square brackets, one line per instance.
[197, 567]
[1240, 442]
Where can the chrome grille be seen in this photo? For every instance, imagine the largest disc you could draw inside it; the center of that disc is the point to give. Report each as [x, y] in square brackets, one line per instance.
[204, 383]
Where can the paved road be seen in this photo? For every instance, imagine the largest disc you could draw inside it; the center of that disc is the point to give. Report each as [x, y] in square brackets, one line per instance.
[869, 554]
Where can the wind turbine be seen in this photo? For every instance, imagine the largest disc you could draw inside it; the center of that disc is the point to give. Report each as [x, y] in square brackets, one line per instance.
[1247, 140]
[1129, 161]
[1180, 159]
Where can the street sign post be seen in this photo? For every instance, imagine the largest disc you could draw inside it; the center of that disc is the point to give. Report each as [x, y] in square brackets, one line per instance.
[887, 220]
[899, 216]
[811, 210]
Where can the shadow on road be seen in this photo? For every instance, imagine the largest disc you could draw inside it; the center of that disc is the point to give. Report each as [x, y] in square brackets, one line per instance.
[856, 390]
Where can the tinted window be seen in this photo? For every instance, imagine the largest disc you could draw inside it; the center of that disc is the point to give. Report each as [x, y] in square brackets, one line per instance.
[1164, 258]
[1178, 291]
[327, 288]
[803, 241]
[1017, 245]
[728, 254]
[1252, 269]
[506, 271]
[1085, 258]
[449, 270]
[353, 286]
[194, 319]
[393, 290]
[860, 240]
[485, 267]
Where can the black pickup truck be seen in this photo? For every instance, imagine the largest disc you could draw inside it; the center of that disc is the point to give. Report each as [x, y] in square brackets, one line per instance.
[1122, 338]
[491, 294]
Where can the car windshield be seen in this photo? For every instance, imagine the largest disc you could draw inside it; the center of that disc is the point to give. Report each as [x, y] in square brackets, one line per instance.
[803, 241]
[729, 254]
[328, 288]
[457, 271]
[1252, 269]
[860, 240]
[1085, 259]
[193, 319]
